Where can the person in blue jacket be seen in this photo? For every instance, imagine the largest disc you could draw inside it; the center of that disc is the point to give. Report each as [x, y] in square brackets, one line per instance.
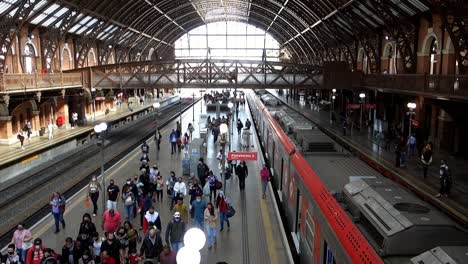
[173, 141]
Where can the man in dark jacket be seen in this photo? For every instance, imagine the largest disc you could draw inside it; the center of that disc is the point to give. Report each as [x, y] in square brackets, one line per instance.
[151, 247]
[242, 173]
[202, 171]
[175, 232]
[111, 246]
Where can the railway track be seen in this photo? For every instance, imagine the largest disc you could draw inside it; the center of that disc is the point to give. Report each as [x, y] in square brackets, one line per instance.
[27, 201]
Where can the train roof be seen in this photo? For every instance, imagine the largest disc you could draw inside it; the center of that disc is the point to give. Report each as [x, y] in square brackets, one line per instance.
[443, 255]
[397, 221]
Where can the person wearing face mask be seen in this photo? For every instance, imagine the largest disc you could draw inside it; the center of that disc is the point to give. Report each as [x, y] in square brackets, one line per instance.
[87, 226]
[145, 205]
[112, 195]
[180, 191]
[11, 257]
[83, 242]
[22, 239]
[35, 253]
[57, 203]
[195, 190]
[159, 188]
[151, 219]
[70, 252]
[182, 209]
[198, 206]
[86, 258]
[122, 237]
[111, 221]
[112, 247]
[50, 257]
[152, 246]
[175, 232]
[129, 200]
[93, 192]
[96, 250]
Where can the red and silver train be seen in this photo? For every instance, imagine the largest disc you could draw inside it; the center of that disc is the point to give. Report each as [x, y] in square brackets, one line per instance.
[323, 232]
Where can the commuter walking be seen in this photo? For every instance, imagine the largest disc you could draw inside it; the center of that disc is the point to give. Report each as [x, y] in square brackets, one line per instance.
[182, 209]
[445, 179]
[222, 204]
[11, 256]
[145, 204]
[57, 202]
[239, 126]
[50, 130]
[159, 188]
[28, 130]
[132, 235]
[180, 191]
[87, 227]
[175, 232]
[168, 256]
[74, 119]
[158, 140]
[111, 247]
[210, 216]
[112, 195]
[20, 136]
[247, 124]
[242, 173]
[411, 145]
[173, 141]
[212, 179]
[35, 254]
[151, 247]
[195, 190]
[426, 159]
[93, 192]
[152, 220]
[22, 239]
[198, 208]
[111, 220]
[265, 177]
[202, 171]
[190, 129]
[144, 148]
[129, 201]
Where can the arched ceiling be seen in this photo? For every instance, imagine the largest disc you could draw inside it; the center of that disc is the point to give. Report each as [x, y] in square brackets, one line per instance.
[304, 27]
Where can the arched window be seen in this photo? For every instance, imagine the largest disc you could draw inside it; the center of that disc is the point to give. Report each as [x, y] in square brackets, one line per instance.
[433, 57]
[228, 40]
[29, 58]
[391, 60]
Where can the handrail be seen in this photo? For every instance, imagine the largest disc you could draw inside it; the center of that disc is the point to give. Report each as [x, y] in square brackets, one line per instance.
[448, 85]
[13, 82]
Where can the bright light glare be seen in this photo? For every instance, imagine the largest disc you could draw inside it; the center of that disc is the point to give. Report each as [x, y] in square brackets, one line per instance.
[101, 127]
[194, 238]
[223, 128]
[187, 255]
[156, 105]
[230, 105]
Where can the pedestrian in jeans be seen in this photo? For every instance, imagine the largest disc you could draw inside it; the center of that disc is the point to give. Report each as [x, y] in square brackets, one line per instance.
[426, 159]
[57, 203]
[22, 239]
[265, 177]
[198, 207]
[129, 200]
[210, 216]
[112, 195]
[173, 141]
[222, 204]
[93, 192]
[175, 232]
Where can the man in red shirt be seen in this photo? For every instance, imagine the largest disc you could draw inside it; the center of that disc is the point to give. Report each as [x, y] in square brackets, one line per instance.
[35, 253]
[111, 221]
[168, 256]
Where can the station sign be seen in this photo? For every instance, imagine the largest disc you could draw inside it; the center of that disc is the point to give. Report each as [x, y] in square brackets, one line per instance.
[353, 106]
[242, 155]
[100, 98]
[369, 106]
[415, 123]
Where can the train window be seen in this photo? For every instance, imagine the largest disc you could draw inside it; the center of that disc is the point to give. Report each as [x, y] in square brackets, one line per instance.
[327, 254]
[298, 212]
[310, 230]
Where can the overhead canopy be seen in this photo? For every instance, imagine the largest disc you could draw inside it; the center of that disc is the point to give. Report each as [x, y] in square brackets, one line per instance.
[304, 27]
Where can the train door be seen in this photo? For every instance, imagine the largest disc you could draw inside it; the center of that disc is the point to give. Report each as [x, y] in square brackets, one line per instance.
[327, 254]
[280, 185]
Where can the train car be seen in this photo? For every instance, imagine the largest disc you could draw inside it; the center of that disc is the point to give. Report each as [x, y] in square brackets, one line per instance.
[322, 231]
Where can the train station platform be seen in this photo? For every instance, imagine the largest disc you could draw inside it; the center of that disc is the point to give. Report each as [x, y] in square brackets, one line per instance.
[10, 154]
[364, 145]
[254, 235]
